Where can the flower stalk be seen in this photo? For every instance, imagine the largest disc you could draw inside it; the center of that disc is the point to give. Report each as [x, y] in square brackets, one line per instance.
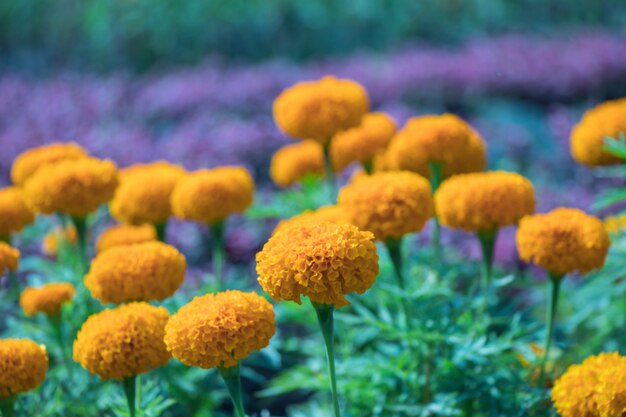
[7, 407]
[130, 389]
[487, 244]
[217, 235]
[552, 303]
[80, 223]
[436, 177]
[161, 231]
[326, 323]
[232, 379]
[330, 173]
[56, 322]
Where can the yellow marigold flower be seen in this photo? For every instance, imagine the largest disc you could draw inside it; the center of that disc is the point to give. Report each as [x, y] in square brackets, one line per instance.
[293, 162]
[23, 366]
[123, 342]
[388, 204]
[211, 195]
[124, 234]
[333, 214]
[587, 140]
[480, 202]
[143, 195]
[615, 224]
[362, 143]
[52, 241]
[28, 162]
[14, 213]
[319, 109]
[47, 299]
[220, 329]
[323, 261]
[563, 241]
[611, 390]
[76, 187]
[140, 272]
[9, 258]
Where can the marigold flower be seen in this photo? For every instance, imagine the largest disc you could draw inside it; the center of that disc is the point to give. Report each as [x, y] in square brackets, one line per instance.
[14, 213]
[143, 195]
[611, 390]
[9, 258]
[319, 109]
[52, 241]
[563, 241]
[293, 162]
[124, 234]
[123, 342]
[29, 161]
[76, 187]
[480, 202]
[323, 261]
[23, 366]
[587, 140]
[47, 299]
[211, 195]
[220, 329]
[141, 272]
[333, 214]
[615, 224]
[388, 204]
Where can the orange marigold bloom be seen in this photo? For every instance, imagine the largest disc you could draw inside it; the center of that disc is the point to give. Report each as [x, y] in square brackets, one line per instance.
[52, 241]
[144, 193]
[29, 161]
[76, 187]
[615, 224]
[47, 299]
[211, 195]
[14, 213]
[333, 214]
[323, 261]
[124, 234]
[9, 258]
[123, 342]
[563, 241]
[587, 139]
[319, 109]
[293, 162]
[220, 329]
[23, 366]
[141, 272]
[388, 204]
[611, 390]
[482, 201]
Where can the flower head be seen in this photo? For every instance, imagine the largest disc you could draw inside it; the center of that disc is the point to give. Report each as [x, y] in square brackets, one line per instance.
[333, 214]
[293, 162]
[611, 389]
[480, 202]
[319, 109]
[47, 299]
[23, 366]
[563, 241]
[141, 272]
[323, 261]
[124, 234]
[220, 329]
[615, 224]
[54, 239]
[28, 162]
[9, 258]
[14, 213]
[388, 204]
[123, 342]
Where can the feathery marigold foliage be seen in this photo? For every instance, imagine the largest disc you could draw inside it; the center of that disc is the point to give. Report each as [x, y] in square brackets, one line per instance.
[29, 161]
[123, 342]
[323, 261]
[125, 234]
[143, 195]
[319, 109]
[333, 214]
[14, 213]
[9, 258]
[23, 366]
[607, 120]
[75, 187]
[140, 272]
[47, 299]
[388, 204]
[293, 162]
[483, 201]
[220, 329]
[563, 241]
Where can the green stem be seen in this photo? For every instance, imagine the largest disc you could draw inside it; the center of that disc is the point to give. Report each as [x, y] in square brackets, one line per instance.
[7, 407]
[130, 389]
[14, 283]
[232, 379]
[80, 223]
[57, 324]
[553, 298]
[436, 177]
[368, 166]
[330, 173]
[217, 236]
[326, 322]
[160, 231]
[394, 247]
[487, 244]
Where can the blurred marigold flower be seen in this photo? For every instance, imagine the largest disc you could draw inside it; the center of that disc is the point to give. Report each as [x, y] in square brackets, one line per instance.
[615, 224]
[563, 241]
[319, 109]
[47, 299]
[123, 342]
[323, 261]
[23, 366]
[333, 214]
[31, 160]
[14, 213]
[52, 241]
[125, 234]
[293, 162]
[140, 272]
[9, 258]
[220, 329]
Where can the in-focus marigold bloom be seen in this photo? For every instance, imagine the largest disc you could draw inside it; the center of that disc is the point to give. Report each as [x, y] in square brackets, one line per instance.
[143, 195]
[611, 390]
[293, 162]
[53, 240]
[14, 213]
[140, 272]
[563, 241]
[319, 109]
[388, 204]
[615, 224]
[123, 342]
[124, 234]
[23, 366]
[47, 299]
[588, 136]
[362, 143]
[28, 162]
[483, 201]
[211, 195]
[220, 329]
[9, 258]
[333, 214]
[76, 187]
[323, 261]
